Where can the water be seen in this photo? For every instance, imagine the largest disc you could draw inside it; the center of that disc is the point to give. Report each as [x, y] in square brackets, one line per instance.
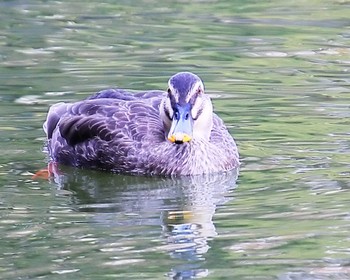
[278, 76]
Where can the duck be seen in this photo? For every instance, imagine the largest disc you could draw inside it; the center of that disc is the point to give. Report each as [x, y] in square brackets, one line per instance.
[167, 133]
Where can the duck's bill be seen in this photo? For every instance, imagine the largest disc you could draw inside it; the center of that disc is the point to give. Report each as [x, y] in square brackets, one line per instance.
[181, 127]
[179, 138]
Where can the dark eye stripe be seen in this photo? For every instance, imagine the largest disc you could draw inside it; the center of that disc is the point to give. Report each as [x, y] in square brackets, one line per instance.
[198, 113]
[167, 113]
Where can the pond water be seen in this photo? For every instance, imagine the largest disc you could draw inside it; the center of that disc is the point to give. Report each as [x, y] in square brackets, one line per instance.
[278, 74]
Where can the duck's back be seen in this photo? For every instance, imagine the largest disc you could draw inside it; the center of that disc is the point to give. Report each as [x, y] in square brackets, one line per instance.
[105, 130]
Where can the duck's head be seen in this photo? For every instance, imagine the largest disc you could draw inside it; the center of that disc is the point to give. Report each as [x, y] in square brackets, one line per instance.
[186, 111]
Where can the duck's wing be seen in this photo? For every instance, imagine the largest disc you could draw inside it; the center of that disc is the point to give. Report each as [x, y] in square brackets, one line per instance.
[108, 115]
[54, 115]
[221, 136]
[121, 94]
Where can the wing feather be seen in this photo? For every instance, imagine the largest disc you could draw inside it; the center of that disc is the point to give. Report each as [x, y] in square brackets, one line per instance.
[53, 117]
[81, 128]
[107, 118]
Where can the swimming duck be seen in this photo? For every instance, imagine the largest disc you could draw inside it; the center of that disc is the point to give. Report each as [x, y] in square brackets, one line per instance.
[150, 133]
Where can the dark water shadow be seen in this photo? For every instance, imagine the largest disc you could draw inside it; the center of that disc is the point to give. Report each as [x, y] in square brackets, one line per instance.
[182, 207]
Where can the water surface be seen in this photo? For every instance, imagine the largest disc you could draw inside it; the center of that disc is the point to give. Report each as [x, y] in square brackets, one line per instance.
[278, 76]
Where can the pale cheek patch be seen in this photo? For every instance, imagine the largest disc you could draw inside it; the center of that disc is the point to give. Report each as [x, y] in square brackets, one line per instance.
[169, 109]
[197, 108]
[166, 110]
[173, 92]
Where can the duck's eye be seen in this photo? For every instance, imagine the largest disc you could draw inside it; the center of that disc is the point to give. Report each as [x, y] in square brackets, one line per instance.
[169, 91]
[187, 116]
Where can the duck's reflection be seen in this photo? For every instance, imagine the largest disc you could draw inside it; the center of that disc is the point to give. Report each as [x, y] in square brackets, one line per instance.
[185, 206]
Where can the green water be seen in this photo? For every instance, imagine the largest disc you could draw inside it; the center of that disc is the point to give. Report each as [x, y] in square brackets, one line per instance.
[278, 74]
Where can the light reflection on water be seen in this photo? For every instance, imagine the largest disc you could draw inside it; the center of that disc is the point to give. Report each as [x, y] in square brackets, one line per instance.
[183, 209]
[278, 75]
[120, 220]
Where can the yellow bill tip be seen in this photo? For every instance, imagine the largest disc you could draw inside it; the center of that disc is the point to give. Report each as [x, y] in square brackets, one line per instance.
[186, 138]
[172, 138]
[179, 137]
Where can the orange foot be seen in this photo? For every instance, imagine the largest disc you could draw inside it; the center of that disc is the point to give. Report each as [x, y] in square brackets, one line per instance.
[45, 173]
